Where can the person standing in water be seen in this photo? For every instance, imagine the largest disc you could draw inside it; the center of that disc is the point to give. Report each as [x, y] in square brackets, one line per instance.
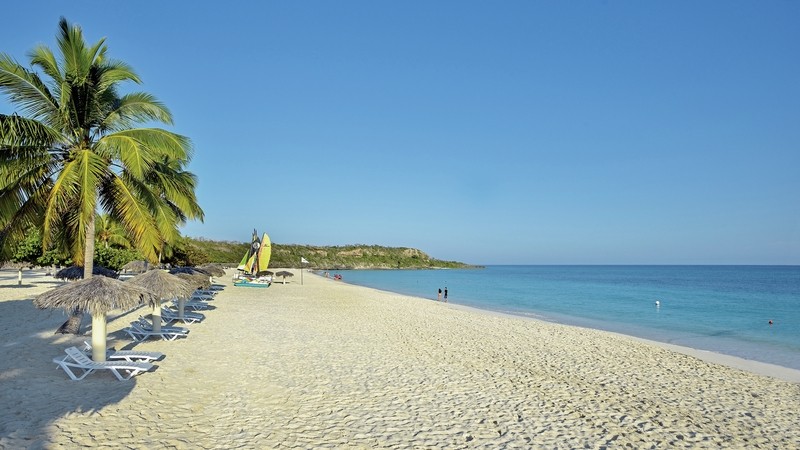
[445, 294]
[439, 298]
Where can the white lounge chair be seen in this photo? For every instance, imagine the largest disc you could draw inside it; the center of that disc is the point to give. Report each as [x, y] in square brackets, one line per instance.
[139, 333]
[76, 359]
[194, 305]
[147, 325]
[126, 355]
[211, 292]
[170, 315]
[202, 295]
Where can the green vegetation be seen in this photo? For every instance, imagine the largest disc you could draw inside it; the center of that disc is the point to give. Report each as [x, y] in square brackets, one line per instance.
[76, 146]
[195, 251]
[332, 258]
[225, 252]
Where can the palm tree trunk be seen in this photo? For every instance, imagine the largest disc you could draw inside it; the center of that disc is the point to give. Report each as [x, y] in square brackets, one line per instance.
[88, 253]
[73, 324]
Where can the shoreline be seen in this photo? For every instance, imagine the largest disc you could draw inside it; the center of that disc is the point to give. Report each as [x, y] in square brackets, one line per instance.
[332, 365]
[744, 360]
[756, 367]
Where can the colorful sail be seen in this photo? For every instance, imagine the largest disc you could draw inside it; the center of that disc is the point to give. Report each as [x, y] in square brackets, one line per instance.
[250, 256]
[264, 253]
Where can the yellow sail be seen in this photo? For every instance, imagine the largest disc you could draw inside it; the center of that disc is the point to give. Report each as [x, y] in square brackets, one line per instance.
[264, 253]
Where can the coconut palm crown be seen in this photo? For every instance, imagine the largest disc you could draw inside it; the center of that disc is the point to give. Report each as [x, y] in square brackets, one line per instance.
[77, 147]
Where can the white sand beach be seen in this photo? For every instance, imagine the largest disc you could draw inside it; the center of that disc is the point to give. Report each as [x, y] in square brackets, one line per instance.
[329, 365]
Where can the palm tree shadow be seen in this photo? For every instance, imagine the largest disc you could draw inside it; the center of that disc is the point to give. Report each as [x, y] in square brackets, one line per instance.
[34, 391]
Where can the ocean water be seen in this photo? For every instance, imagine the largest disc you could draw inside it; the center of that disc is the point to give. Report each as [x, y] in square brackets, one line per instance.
[725, 309]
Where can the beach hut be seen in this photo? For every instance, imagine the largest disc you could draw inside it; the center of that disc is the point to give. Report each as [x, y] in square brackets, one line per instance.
[164, 286]
[98, 296]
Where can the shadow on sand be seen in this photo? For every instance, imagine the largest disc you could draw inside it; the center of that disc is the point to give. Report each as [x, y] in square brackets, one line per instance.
[35, 393]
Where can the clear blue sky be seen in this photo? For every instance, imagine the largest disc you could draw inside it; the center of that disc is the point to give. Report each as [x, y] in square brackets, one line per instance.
[517, 132]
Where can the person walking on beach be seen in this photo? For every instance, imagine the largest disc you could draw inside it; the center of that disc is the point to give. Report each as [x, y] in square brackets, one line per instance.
[439, 298]
[445, 294]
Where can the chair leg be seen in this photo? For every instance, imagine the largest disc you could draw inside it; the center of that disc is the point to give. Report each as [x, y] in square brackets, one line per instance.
[72, 375]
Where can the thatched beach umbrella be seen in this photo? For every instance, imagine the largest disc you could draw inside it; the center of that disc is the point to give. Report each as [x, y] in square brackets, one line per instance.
[196, 271]
[76, 272]
[189, 270]
[97, 296]
[284, 274]
[164, 286]
[215, 270]
[137, 266]
[196, 280]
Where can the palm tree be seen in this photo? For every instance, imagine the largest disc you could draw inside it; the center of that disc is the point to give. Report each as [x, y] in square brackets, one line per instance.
[76, 151]
[109, 232]
[78, 147]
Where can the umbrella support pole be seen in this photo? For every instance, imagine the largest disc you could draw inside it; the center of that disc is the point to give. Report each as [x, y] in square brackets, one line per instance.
[98, 337]
[157, 318]
[181, 306]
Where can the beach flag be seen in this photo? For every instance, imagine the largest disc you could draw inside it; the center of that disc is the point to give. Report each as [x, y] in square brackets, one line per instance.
[303, 260]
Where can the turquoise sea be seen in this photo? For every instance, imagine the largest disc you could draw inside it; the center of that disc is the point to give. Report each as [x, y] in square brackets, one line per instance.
[725, 309]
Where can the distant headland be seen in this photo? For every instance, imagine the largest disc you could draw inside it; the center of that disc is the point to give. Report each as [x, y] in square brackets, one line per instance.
[358, 256]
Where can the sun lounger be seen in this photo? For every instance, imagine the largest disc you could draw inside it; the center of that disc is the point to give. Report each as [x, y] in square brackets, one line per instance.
[211, 292]
[139, 333]
[126, 355]
[170, 315]
[76, 359]
[194, 305]
[144, 323]
[202, 295]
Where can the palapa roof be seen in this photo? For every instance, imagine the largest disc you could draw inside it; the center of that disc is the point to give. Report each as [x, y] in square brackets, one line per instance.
[97, 295]
[137, 266]
[163, 284]
[76, 272]
[189, 270]
[216, 270]
[196, 280]
[284, 273]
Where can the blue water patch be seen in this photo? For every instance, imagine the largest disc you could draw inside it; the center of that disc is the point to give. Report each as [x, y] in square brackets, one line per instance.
[725, 309]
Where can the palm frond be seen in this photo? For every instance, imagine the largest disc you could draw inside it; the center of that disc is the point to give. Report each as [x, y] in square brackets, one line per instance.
[115, 72]
[78, 60]
[136, 108]
[26, 90]
[18, 132]
[138, 149]
[125, 204]
[176, 186]
[45, 59]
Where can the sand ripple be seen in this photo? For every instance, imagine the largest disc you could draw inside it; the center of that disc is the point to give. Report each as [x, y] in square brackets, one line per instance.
[327, 365]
